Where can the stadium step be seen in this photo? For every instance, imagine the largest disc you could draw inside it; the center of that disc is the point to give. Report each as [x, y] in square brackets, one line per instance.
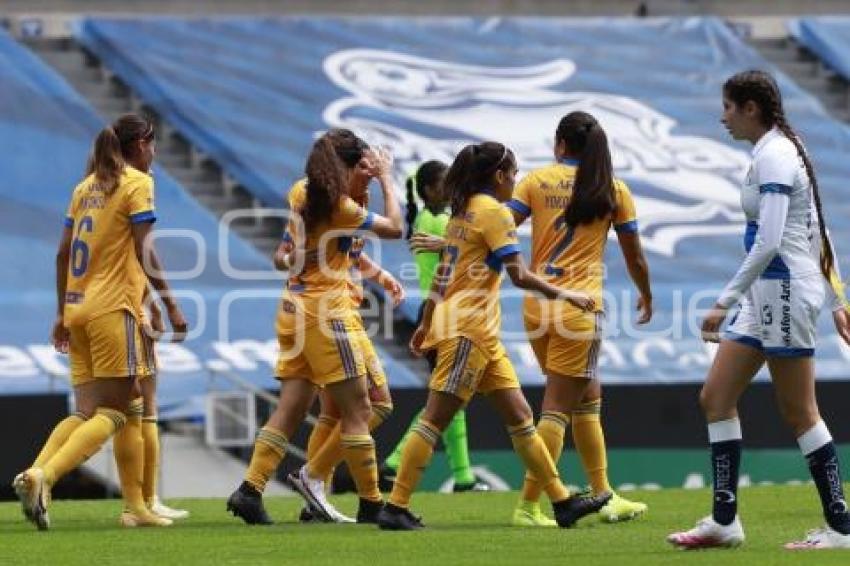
[809, 73]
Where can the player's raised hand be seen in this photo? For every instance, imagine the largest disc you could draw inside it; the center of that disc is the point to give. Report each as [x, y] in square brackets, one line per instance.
[644, 306]
[60, 337]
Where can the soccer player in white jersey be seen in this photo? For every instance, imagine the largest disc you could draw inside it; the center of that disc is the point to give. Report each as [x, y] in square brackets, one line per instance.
[787, 276]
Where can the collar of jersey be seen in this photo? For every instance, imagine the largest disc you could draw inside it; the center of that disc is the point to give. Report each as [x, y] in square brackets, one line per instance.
[570, 161]
[768, 135]
[486, 191]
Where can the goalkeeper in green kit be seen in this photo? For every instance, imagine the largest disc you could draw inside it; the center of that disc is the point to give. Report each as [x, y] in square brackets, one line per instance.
[426, 231]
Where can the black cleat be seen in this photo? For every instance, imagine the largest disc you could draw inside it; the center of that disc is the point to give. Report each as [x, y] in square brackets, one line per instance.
[307, 516]
[247, 504]
[573, 508]
[393, 518]
[476, 485]
[368, 511]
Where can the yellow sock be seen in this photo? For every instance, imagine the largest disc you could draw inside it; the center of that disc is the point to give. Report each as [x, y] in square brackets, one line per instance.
[130, 456]
[329, 455]
[359, 453]
[590, 445]
[531, 449]
[83, 443]
[551, 429]
[325, 426]
[57, 438]
[415, 457]
[150, 436]
[269, 450]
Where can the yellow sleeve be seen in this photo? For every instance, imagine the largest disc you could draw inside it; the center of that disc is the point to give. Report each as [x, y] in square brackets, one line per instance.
[352, 216]
[625, 215]
[499, 231]
[69, 214]
[521, 198]
[140, 201]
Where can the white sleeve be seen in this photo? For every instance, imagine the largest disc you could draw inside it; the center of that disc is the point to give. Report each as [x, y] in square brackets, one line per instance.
[773, 210]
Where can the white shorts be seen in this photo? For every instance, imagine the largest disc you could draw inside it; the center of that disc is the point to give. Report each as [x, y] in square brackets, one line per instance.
[779, 316]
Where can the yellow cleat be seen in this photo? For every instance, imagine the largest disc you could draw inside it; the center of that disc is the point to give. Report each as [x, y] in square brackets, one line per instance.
[620, 509]
[142, 519]
[528, 514]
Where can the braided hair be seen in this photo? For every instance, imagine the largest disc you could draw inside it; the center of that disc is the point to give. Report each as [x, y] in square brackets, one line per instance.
[428, 174]
[761, 88]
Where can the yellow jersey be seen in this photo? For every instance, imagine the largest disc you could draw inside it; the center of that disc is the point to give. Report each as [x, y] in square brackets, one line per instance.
[476, 243]
[104, 274]
[570, 257]
[321, 291]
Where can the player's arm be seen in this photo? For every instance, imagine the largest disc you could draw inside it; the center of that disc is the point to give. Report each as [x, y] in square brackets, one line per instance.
[59, 334]
[391, 224]
[149, 259]
[638, 270]
[524, 279]
[520, 202]
[373, 272]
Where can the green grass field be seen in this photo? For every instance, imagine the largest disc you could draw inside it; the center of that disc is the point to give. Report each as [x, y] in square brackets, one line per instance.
[462, 529]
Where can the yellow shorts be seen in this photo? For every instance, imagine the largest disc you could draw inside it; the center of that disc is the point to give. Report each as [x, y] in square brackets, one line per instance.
[323, 353]
[569, 348]
[109, 346]
[374, 367]
[463, 370]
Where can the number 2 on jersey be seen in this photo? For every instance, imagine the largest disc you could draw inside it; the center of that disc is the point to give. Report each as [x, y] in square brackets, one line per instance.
[79, 248]
[561, 247]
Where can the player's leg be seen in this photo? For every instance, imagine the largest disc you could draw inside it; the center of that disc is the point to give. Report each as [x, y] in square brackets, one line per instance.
[150, 437]
[326, 422]
[589, 440]
[794, 383]
[501, 386]
[738, 359]
[440, 408]
[129, 451]
[295, 398]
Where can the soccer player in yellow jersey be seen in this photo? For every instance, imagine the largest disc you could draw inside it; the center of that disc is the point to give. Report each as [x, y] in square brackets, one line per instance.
[103, 250]
[462, 320]
[572, 204]
[324, 450]
[319, 336]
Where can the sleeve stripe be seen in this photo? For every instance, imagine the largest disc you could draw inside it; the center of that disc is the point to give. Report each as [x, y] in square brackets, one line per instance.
[287, 237]
[68, 222]
[518, 206]
[629, 227]
[367, 223]
[146, 216]
[775, 188]
[507, 250]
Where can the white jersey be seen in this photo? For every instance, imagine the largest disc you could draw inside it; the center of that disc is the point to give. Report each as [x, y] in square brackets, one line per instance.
[779, 284]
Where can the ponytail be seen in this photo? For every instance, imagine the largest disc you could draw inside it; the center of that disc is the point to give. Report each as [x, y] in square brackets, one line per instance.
[761, 88]
[326, 182]
[113, 146]
[593, 195]
[106, 161]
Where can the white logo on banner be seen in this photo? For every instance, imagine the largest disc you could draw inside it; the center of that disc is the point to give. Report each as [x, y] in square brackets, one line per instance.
[428, 109]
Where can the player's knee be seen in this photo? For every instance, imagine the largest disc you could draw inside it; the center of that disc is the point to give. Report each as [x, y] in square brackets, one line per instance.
[799, 418]
[713, 406]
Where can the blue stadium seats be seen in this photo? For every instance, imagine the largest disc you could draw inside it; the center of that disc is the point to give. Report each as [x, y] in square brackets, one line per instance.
[828, 38]
[46, 130]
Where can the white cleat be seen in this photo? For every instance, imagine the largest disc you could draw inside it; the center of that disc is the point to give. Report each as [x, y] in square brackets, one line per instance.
[709, 534]
[34, 494]
[821, 538]
[313, 492]
[157, 507]
[147, 519]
